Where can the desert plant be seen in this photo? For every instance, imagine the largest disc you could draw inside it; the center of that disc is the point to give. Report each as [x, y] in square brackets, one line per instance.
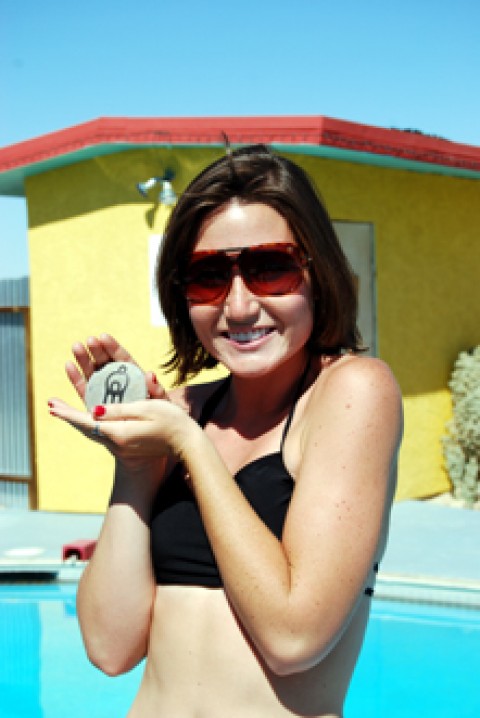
[461, 445]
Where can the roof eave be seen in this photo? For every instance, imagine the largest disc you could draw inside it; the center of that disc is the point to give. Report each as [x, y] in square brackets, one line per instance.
[317, 135]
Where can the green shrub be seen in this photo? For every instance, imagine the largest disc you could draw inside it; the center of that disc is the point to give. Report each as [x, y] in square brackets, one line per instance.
[461, 447]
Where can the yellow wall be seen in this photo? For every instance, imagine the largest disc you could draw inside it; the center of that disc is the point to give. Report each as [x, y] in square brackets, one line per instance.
[88, 237]
[89, 233]
[427, 260]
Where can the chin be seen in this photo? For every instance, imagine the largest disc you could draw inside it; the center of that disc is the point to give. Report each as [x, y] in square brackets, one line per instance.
[256, 367]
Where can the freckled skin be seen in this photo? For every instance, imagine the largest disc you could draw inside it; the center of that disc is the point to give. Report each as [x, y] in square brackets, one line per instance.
[282, 637]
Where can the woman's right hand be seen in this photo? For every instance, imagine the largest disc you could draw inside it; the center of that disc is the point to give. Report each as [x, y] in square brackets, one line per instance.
[94, 354]
[91, 356]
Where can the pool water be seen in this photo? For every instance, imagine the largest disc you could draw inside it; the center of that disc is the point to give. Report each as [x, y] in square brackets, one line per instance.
[417, 661]
[44, 672]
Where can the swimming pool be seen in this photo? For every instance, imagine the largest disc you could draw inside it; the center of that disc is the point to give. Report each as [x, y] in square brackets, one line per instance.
[44, 672]
[417, 661]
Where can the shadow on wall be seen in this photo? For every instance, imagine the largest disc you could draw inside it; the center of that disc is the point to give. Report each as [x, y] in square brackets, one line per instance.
[110, 180]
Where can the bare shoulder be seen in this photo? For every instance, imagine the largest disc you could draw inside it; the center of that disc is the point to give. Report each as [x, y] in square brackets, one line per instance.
[367, 375]
[192, 397]
[364, 387]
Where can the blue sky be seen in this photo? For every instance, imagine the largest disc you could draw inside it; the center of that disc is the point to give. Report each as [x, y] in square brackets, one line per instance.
[411, 64]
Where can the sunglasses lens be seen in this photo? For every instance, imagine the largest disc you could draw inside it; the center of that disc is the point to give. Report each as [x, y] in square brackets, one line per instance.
[208, 278]
[268, 270]
[272, 271]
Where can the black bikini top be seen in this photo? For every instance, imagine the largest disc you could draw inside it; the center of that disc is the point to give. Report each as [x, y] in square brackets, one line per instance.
[181, 552]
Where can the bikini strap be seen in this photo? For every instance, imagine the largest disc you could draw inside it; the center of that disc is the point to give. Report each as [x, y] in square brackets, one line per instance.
[298, 394]
[213, 401]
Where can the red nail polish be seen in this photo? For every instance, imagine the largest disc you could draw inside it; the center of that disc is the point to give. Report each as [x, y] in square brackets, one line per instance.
[50, 404]
[154, 379]
[99, 411]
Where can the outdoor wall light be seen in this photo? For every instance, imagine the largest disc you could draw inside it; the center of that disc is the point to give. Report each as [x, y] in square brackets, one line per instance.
[166, 195]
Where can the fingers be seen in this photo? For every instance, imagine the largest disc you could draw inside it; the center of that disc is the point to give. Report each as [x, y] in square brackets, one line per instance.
[120, 412]
[83, 359]
[155, 390]
[105, 348]
[76, 378]
[111, 348]
[108, 434]
[99, 351]
[80, 420]
[111, 429]
[140, 429]
[95, 353]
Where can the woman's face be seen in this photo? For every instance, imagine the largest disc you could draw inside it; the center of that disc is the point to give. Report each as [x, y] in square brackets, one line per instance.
[248, 333]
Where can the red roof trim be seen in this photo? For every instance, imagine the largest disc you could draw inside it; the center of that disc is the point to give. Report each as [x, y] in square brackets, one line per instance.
[315, 130]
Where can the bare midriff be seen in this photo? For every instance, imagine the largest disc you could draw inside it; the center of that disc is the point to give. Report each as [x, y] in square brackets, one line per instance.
[200, 664]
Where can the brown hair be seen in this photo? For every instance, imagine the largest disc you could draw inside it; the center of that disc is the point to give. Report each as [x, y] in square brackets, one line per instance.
[255, 175]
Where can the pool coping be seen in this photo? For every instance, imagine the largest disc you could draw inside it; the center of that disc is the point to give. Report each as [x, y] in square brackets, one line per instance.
[428, 589]
[53, 569]
[432, 555]
[389, 586]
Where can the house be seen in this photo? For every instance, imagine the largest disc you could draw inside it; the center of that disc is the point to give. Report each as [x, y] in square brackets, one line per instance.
[406, 207]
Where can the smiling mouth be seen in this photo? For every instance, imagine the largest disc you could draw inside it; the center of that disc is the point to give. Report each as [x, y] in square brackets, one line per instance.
[246, 337]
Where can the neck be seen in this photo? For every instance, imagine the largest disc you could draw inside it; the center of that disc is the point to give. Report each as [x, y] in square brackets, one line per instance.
[267, 395]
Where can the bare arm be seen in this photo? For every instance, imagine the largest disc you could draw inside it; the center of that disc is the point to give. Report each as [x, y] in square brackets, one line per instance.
[117, 588]
[294, 597]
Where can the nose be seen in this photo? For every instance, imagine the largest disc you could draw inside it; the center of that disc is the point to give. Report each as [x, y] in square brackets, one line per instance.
[240, 303]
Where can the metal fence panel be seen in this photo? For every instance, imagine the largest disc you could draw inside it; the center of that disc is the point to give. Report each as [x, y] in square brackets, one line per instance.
[14, 292]
[14, 495]
[15, 460]
[14, 417]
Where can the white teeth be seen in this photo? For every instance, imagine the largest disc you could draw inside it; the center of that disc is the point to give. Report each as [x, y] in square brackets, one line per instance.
[248, 336]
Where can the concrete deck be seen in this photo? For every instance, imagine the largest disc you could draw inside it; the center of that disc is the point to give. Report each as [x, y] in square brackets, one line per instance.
[430, 545]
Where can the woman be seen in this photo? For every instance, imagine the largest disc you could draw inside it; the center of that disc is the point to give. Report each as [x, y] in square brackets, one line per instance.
[247, 515]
